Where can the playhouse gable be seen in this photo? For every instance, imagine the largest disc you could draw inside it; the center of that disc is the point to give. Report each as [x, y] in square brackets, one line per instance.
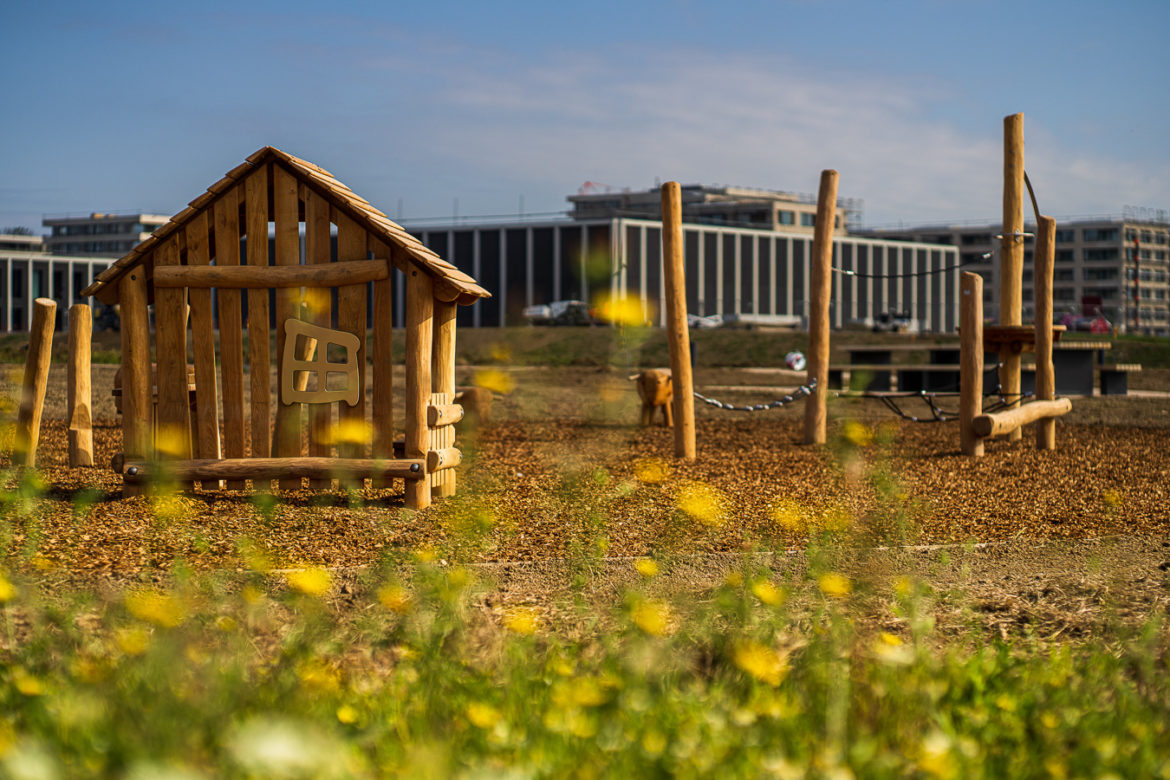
[451, 284]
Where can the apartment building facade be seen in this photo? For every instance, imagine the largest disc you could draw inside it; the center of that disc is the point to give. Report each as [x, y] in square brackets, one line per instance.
[99, 235]
[1117, 265]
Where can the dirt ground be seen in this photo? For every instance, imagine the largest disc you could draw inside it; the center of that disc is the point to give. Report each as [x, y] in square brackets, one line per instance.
[1055, 543]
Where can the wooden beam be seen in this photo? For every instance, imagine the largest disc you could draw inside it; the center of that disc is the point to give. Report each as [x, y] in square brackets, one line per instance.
[273, 277]
[78, 387]
[203, 344]
[1045, 257]
[444, 459]
[258, 469]
[36, 379]
[1011, 263]
[443, 385]
[1001, 423]
[820, 292]
[352, 246]
[286, 441]
[173, 414]
[231, 346]
[419, 323]
[442, 415]
[970, 362]
[318, 301]
[259, 348]
[136, 381]
[677, 332]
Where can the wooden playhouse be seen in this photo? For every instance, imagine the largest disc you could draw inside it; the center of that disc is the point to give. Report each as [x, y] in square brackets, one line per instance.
[323, 302]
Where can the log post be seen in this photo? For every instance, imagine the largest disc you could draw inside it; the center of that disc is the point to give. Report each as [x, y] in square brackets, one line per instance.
[677, 334]
[36, 378]
[970, 362]
[78, 386]
[1011, 262]
[1001, 423]
[420, 306]
[820, 289]
[1045, 255]
[443, 383]
[136, 379]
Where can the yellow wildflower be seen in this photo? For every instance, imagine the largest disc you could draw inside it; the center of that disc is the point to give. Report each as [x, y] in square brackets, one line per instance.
[836, 585]
[152, 606]
[350, 431]
[893, 640]
[702, 502]
[7, 589]
[1112, 498]
[652, 471]
[173, 441]
[858, 434]
[482, 715]
[226, 623]
[318, 676]
[788, 515]
[622, 310]
[646, 567]
[27, 684]
[394, 598]
[495, 380]
[522, 620]
[653, 617]
[132, 641]
[768, 593]
[766, 664]
[501, 353]
[347, 714]
[312, 581]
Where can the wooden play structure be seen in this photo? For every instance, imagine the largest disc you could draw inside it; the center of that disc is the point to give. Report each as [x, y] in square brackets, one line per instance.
[1011, 338]
[328, 305]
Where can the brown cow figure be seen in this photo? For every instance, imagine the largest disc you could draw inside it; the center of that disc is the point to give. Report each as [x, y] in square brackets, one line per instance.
[655, 389]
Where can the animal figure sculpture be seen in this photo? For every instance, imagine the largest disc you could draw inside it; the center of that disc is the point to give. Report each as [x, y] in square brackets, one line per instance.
[655, 389]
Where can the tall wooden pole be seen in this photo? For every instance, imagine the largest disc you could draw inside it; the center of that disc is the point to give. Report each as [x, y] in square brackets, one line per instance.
[420, 310]
[970, 362]
[1011, 263]
[677, 334]
[443, 385]
[78, 387]
[1045, 371]
[820, 289]
[36, 378]
[136, 378]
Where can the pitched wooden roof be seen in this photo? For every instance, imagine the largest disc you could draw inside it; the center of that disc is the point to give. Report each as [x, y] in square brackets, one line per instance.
[452, 284]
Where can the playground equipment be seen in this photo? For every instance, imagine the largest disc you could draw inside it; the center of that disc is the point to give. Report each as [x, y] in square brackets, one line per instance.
[36, 379]
[1009, 339]
[198, 251]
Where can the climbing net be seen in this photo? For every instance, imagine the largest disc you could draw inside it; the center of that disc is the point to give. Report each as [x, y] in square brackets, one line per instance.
[799, 394]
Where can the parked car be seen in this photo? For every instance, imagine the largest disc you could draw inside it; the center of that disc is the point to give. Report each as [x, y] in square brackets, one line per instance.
[561, 313]
[893, 322]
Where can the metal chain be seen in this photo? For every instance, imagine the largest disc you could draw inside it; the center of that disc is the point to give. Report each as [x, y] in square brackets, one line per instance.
[799, 394]
[939, 414]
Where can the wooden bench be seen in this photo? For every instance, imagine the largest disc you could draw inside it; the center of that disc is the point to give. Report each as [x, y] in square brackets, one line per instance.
[1113, 379]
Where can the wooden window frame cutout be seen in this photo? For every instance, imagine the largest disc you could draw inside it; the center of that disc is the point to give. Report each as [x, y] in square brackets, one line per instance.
[319, 365]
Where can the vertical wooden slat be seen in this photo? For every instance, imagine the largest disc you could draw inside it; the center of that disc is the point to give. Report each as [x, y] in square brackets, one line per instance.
[231, 348]
[970, 362]
[78, 386]
[1045, 372]
[259, 359]
[173, 435]
[351, 317]
[678, 335]
[319, 305]
[820, 290]
[287, 441]
[36, 379]
[382, 368]
[1011, 261]
[203, 344]
[443, 384]
[135, 369]
[419, 323]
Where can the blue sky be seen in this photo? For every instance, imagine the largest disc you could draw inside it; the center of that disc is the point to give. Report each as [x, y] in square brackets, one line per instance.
[140, 106]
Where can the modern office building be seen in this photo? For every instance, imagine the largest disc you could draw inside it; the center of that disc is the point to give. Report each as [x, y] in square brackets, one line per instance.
[729, 270]
[99, 235]
[732, 206]
[27, 272]
[1119, 265]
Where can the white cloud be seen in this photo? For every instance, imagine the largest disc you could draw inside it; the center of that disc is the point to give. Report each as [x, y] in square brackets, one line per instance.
[754, 121]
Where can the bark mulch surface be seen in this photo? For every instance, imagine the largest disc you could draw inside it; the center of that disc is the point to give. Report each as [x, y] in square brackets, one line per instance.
[534, 490]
